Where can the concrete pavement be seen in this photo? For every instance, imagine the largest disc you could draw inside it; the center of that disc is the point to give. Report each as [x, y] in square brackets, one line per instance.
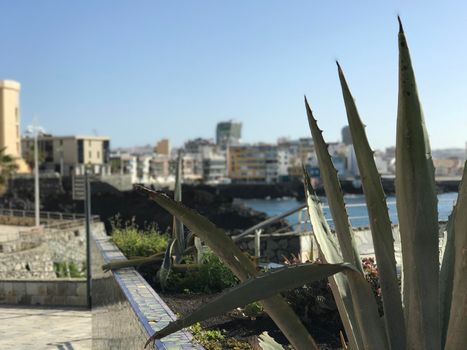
[35, 328]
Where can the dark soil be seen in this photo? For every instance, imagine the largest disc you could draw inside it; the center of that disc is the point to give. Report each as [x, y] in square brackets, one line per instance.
[322, 321]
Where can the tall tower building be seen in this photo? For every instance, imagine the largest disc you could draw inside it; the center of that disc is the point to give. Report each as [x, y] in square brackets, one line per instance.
[9, 117]
[346, 136]
[228, 133]
[10, 138]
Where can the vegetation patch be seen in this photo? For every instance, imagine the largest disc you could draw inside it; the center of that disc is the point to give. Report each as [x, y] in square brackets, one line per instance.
[212, 276]
[134, 242]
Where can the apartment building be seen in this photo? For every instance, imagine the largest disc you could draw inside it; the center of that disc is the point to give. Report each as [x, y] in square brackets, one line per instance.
[228, 133]
[70, 155]
[163, 147]
[253, 163]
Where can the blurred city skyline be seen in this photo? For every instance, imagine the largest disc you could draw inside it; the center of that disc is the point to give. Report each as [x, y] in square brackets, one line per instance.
[174, 70]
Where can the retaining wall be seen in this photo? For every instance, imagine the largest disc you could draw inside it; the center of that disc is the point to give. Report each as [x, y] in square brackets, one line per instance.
[33, 253]
[274, 247]
[57, 292]
[125, 309]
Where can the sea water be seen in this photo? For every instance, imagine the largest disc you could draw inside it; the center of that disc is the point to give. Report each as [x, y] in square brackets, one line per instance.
[356, 208]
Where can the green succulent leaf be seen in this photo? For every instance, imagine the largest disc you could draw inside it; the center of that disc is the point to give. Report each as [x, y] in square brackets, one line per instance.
[258, 288]
[137, 262]
[334, 194]
[454, 307]
[330, 254]
[362, 296]
[276, 307]
[380, 224]
[178, 231]
[417, 212]
[166, 266]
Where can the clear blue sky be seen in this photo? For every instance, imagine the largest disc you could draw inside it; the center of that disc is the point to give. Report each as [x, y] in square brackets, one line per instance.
[139, 71]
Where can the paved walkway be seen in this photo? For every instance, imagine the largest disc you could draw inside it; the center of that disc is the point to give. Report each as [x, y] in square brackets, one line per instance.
[35, 328]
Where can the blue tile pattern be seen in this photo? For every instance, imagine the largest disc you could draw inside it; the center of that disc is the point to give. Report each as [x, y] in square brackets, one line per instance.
[151, 311]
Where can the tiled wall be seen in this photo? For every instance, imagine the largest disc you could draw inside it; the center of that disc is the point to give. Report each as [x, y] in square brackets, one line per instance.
[126, 310]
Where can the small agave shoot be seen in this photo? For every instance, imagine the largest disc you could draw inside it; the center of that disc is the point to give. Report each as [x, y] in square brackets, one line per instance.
[178, 246]
[431, 315]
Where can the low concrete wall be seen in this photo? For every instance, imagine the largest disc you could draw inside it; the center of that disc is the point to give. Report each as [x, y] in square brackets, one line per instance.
[274, 247]
[125, 309]
[57, 292]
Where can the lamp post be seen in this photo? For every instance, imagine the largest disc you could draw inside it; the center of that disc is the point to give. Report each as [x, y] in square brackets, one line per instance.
[35, 130]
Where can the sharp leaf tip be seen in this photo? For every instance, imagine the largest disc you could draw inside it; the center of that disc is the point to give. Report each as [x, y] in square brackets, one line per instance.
[401, 28]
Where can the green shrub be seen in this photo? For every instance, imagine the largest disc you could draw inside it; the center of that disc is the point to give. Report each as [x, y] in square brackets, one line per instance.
[211, 277]
[68, 269]
[134, 242]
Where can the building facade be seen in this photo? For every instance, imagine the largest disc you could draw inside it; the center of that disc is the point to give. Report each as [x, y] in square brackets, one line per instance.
[10, 125]
[253, 163]
[346, 136]
[228, 133]
[70, 155]
[163, 147]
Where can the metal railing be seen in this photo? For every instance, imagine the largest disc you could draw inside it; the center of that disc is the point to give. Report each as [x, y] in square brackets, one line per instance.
[46, 215]
[303, 221]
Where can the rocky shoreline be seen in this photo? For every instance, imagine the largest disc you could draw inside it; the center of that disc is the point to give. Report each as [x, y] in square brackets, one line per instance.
[108, 202]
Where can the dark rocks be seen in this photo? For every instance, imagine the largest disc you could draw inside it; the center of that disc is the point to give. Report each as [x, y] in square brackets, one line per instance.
[107, 202]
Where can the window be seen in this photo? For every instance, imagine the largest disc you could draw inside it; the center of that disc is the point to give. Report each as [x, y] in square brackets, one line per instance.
[90, 154]
[80, 152]
[98, 154]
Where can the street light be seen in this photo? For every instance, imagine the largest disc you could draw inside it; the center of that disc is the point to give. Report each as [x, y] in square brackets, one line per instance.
[36, 130]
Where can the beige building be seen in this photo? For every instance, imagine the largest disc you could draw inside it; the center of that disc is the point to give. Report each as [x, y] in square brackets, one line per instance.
[71, 154]
[252, 163]
[163, 147]
[10, 121]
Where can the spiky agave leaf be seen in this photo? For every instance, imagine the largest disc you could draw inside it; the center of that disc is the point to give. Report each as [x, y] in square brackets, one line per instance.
[136, 262]
[166, 266]
[266, 342]
[178, 231]
[446, 275]
[334, 194]
[456, 311]
[366, 310]
[276, 307]
[417, 212]
[330, 253]
[380, 224]
[257, 288]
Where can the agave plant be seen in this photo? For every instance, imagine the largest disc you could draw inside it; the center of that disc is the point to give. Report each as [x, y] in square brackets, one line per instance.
[431, 314]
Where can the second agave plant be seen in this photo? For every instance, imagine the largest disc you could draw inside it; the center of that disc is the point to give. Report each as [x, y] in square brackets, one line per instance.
[430, 315]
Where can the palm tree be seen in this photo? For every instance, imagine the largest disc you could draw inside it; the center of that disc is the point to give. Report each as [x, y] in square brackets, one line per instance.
[8, 167]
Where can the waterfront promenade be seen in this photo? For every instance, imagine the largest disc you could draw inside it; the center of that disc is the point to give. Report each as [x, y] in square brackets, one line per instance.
[26, 328]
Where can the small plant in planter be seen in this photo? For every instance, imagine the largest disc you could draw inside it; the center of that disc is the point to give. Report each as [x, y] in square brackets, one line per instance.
[432, 315]
[175, 253]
